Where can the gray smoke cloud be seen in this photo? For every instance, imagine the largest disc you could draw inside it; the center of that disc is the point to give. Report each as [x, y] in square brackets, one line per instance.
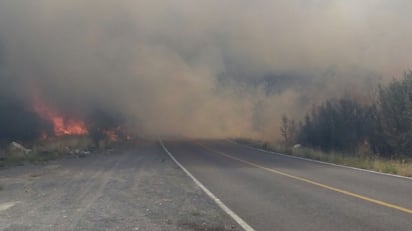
[200, 68]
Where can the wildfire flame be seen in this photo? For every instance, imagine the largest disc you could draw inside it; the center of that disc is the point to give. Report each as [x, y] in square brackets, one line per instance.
[116, 134]
[112, 135]
[61, 125]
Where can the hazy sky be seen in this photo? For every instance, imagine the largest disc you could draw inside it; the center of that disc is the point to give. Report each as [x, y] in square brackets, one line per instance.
[200, 68]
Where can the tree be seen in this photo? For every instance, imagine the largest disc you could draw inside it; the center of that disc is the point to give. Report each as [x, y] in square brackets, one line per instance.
[344, 124]
[335, 125]
[393, 128]
[288, 130]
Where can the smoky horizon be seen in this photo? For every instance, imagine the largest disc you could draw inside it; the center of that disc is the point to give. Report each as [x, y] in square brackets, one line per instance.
[208, 69]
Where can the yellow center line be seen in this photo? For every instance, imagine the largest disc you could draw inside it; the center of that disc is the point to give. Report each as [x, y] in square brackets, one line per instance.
[365, 198]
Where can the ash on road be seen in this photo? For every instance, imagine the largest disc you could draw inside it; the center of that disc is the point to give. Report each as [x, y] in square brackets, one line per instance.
[132, 188]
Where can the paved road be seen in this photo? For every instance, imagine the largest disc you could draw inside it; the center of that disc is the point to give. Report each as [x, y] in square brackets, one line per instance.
[274, 192]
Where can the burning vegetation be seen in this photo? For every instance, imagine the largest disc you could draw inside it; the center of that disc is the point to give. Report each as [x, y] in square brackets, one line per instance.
[61, 125]
[100, 125]
[38, 131]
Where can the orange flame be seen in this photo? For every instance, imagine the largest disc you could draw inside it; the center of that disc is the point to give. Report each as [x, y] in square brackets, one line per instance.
[61, 126]
[117, 134]
[112, 135]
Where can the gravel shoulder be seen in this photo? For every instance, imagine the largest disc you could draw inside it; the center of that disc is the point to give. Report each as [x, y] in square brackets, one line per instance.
[129, 188]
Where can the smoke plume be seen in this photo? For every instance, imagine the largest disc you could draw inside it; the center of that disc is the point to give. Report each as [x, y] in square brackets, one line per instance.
[199, 68]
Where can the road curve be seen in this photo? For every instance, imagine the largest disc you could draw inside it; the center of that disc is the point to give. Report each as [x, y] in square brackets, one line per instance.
[275, 192]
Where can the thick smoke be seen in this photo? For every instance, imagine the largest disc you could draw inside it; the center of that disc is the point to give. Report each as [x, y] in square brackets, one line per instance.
[199, 68]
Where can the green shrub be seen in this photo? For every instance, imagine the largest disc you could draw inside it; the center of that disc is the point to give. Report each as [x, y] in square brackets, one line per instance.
[390, 168]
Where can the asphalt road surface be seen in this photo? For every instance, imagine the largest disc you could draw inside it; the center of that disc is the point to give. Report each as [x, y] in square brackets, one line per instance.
[276, 192]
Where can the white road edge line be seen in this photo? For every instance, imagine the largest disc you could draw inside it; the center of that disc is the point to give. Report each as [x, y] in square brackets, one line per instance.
[320, 162]
[232, 214]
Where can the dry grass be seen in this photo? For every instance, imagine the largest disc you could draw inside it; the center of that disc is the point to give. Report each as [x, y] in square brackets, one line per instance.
[58, 147]
[47, 150]
[362, 159]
